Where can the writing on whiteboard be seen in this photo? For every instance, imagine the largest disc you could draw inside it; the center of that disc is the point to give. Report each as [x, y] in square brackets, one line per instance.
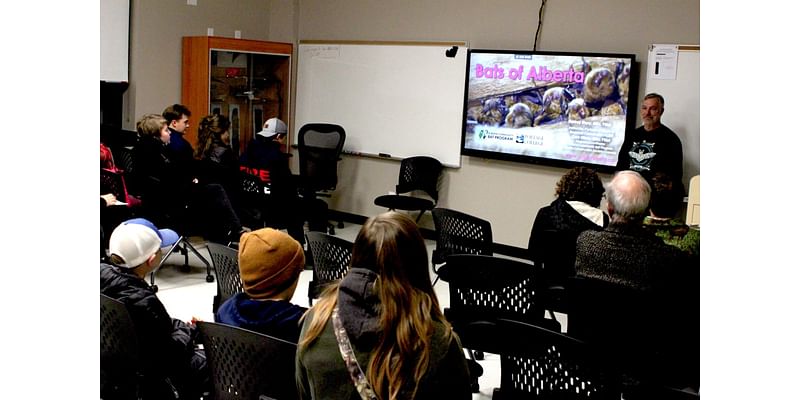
[322, 51]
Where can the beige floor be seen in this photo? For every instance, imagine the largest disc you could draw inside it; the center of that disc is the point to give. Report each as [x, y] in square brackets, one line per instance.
[187, 295]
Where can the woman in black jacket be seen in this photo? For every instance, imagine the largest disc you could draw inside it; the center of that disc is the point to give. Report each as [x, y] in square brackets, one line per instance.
[557, 226]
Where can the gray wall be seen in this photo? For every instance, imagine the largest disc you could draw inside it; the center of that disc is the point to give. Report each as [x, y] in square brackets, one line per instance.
[507, 194]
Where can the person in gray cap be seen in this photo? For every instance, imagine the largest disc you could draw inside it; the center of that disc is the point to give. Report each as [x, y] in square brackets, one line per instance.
[172, 362]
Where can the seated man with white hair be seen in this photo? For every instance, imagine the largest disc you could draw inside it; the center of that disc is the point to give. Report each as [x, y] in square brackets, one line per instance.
[656, 335]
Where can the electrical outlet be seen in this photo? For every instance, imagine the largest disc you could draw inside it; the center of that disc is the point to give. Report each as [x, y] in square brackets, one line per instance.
[237, 34]
[210, 31]
[191, 2]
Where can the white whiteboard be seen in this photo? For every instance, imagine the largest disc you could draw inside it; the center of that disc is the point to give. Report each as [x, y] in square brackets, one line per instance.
[398, 99]
[682, 105]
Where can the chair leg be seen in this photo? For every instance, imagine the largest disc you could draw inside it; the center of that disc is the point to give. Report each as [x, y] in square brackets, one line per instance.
[187, 245]
[161, 262]
[209, 277]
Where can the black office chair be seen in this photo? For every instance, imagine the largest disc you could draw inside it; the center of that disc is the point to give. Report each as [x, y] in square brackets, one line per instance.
[539, 363]
[458, 233]
[419, 173]
[226, 266]
[319, 147]
[248, 365]
[331, 260]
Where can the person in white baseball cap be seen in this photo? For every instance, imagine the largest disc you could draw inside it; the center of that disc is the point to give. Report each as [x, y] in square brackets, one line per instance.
[137, 241]
[266, 159]
[273, 127]
[171, 360]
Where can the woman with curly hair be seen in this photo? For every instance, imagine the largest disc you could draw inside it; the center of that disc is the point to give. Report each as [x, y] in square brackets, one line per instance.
[556, 227]
[218, 162]
[386, 313]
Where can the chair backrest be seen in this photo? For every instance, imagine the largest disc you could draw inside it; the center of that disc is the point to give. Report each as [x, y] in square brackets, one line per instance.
[420, 173]
[319, 147]
[248, 365]
[460, 233]
[226, 265]
[484, 288]
[119, 350]
[113, 182]
[123, 158]
[331, 257]
[554, 250]
[540, 363]
[623, 321]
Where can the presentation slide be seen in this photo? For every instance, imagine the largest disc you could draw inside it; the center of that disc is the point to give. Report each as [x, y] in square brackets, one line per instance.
[564, 107]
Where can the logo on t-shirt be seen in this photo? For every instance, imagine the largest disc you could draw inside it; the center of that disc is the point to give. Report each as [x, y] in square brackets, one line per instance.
[642, 155]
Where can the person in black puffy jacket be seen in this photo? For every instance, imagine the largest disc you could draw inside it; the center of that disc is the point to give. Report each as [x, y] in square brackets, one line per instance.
[171, 362]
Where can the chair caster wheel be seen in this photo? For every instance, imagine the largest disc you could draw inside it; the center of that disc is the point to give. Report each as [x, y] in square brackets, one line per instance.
[209, 278]
[340, 225]
[155, 288]
[331, 231]
[478, 355]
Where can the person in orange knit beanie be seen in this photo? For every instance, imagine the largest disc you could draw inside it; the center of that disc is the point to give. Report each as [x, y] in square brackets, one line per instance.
[270, 262]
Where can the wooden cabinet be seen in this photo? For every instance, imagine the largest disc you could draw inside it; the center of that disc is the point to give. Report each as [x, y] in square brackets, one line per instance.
[248, 81]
